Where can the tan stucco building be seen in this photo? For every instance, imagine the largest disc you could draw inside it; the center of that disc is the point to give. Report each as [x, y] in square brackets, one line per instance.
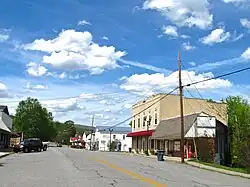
[144, 123]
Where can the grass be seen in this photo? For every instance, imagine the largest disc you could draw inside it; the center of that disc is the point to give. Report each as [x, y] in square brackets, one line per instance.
[240, 170]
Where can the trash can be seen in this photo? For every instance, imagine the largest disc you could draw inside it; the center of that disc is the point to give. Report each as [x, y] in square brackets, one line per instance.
[160, 154]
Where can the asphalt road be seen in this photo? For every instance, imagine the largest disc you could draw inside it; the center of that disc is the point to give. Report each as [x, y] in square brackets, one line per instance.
[72, 168]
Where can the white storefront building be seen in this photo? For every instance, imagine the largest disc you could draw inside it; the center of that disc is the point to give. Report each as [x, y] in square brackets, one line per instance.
[102, 136]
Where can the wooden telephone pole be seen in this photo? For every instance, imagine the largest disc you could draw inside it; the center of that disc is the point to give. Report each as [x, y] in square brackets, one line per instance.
[92, 126]
[181, 108]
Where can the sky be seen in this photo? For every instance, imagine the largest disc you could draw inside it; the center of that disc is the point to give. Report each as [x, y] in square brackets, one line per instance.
[81, 58]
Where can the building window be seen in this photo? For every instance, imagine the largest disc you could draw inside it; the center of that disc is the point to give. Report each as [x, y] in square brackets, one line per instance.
[114, 136]
[156, 118]
[177, 146]
[139, 123]
[134, 124]
[124, 136]
[152, 144]
[144, 121]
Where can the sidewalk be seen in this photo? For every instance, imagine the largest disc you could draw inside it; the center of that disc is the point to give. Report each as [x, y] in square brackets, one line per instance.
[202, 166]
[166, 158]
[198, 165]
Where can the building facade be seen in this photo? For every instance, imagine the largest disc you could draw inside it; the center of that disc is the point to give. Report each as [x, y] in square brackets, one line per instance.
[144, 123]
[102, 136]
[5, 127]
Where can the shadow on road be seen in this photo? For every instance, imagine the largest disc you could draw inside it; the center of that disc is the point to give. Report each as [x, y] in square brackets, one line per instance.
[1, 165]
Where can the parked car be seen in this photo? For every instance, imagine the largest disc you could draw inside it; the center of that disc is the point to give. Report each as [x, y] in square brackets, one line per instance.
[59, 145]
[28, 145]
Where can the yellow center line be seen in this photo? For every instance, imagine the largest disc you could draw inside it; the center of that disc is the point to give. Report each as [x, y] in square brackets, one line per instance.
[134, 175]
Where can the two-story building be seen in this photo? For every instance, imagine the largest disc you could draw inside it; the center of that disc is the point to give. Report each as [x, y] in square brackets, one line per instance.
[158, 127]
[102, 136]
[5, 127]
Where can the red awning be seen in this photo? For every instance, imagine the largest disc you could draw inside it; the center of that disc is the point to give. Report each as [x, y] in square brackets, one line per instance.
[140, 133]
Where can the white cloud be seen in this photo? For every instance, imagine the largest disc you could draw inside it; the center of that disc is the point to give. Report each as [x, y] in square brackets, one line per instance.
[73, 50]
[234, 1]
[192, 63]
[246, 54]
[216, 36]
[88, 96]
[105, 38]
[3, 37]
[65, 75]
[36, 86]
[151, 83]
[62, 105]
[236, 37]
[214, 65]
[187, 46]
[36, 70]
[184, 36]
[170, 31]
[188, 13]
[83, 22]
[3, 91]
[245, 23]
[145, 66]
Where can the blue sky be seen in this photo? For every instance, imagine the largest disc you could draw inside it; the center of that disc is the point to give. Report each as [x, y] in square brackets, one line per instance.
[85, 57]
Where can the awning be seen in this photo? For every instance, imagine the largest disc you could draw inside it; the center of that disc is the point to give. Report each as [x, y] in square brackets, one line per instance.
[140, 133]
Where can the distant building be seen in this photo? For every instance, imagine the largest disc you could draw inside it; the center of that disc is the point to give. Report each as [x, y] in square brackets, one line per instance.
[101, 138]
[5, 127]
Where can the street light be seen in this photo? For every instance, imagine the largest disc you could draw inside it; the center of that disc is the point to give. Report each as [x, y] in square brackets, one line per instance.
[148, 124]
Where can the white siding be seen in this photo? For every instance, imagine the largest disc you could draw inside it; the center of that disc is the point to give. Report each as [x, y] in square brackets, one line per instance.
[104, 139]
[203, 127]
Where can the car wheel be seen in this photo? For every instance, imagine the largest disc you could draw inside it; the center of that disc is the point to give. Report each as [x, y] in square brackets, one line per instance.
[45, 148]
[39, 149]
[26, 150]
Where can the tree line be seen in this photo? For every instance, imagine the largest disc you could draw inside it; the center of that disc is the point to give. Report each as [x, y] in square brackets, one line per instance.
[34, 120]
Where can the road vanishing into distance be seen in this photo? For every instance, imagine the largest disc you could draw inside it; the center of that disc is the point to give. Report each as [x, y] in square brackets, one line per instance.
[66, 167]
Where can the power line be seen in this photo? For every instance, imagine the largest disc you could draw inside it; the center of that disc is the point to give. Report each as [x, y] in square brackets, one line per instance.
[215, 109]
[143, 109]
[216, 77]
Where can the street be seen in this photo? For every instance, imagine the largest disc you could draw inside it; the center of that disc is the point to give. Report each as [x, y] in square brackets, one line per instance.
[72, 167]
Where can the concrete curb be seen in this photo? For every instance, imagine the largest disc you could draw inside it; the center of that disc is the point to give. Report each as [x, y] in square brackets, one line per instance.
[171, 159]
[4, 155]
[227, 172]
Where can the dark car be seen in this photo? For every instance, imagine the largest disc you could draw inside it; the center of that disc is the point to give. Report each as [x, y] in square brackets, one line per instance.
[31, 144]
[59, 145]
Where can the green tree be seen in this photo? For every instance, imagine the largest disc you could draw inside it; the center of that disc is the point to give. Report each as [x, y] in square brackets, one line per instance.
[65, 131]
[239, 125]
[130, 124]
[34, 120]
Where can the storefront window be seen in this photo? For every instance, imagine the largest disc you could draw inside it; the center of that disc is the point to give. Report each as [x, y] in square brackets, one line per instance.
[177, 146]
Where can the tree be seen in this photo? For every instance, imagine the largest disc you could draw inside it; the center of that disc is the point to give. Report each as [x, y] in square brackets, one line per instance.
[65, 131]
[130, 124]
[34, 120]
[239, 126]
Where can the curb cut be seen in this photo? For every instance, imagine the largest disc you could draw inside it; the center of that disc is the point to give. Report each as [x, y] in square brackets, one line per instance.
[223, 171]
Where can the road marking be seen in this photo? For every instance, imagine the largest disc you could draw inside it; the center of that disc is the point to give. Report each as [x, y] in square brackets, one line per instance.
[134, 175]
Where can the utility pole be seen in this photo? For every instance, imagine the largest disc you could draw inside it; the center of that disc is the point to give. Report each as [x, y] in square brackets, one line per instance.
[181, 109]
[92, 126]
[110, 132]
